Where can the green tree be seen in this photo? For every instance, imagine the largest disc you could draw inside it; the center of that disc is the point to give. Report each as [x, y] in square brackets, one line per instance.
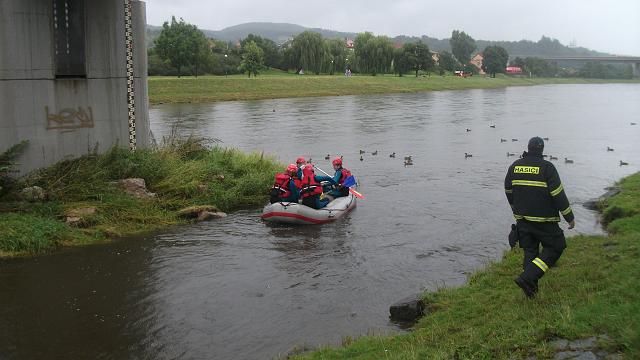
[181, 44]
[252, 59]
[539, 67]
[336, 51]
[383, 55]
[462, 46]
[494, 60]
[374, 54]
[605, 71]
[362, 46]
[519, 62]
[227, 57]
[308, 52]
[201, 51]
[272, 57]
[447, 62]
[400, 61]
[419, 56]
[7, 161]
[157, 65]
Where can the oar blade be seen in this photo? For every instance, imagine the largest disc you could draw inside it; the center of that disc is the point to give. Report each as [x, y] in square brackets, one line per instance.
[349, 181]
[356, 194]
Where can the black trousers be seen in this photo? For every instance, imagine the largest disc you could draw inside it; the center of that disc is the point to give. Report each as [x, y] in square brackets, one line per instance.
[531, 235]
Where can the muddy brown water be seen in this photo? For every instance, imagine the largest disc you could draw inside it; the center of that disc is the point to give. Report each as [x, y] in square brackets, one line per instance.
[238, 289]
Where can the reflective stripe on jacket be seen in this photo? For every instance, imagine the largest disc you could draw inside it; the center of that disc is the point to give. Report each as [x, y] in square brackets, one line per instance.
[535, 192]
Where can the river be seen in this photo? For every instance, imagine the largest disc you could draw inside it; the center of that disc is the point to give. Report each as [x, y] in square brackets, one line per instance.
[238, 289]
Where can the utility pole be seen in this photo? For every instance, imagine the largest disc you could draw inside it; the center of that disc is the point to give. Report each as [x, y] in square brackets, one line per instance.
[225, 65]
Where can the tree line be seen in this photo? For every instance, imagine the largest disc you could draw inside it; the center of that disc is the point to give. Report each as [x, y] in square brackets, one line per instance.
[182, 49]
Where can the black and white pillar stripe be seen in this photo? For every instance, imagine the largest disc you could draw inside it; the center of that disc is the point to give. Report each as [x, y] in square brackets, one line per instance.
[130, 90]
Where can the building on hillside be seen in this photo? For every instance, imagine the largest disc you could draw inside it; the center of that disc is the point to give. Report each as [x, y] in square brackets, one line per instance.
[349, 43]
[436, 57]
[286, 44]
[73, 77]
[476, 61]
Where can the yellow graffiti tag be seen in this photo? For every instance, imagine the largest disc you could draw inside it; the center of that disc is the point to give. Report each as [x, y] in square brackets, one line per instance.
[69, 118]
[526, 170]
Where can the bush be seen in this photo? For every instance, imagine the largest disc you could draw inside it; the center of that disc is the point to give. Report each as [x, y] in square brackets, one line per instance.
[7, 162]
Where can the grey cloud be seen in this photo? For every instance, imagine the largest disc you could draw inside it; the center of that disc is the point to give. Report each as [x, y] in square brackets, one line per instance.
[612, 26]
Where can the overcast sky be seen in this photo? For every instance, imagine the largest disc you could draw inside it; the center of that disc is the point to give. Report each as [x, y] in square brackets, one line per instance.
[610, 26]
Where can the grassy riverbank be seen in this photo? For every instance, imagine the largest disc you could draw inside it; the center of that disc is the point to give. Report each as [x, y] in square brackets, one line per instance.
[274, 85]
[182, 174]
[593, 290]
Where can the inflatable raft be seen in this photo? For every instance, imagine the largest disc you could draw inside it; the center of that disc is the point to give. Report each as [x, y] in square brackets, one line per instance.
[294, 213]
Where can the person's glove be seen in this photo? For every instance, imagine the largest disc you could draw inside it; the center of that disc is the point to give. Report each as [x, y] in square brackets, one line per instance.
[513, 236]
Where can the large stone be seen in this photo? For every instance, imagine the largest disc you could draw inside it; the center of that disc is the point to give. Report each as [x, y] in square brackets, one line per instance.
[593, 204]
[407, 309]
[78, 217]
[611, 191]
[136, 187]
[207, 215]
[33, 194]
[596, 204]
[559, 344]
[80, 212]
[194, 211]
[563, 355]
[587, 355]
[582, 344]
[614, 357]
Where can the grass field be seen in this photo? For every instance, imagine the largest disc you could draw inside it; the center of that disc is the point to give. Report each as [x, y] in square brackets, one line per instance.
[283, 85]
[593, 290]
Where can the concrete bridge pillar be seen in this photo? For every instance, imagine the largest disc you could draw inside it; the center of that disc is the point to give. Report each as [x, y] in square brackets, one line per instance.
[635, 67]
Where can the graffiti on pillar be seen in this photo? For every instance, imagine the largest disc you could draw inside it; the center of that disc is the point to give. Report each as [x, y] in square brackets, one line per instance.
[69, 118]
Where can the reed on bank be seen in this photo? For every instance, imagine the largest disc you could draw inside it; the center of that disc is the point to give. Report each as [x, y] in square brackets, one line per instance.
[182, 174]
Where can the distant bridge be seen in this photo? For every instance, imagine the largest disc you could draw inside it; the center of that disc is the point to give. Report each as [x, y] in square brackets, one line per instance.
[633, 60]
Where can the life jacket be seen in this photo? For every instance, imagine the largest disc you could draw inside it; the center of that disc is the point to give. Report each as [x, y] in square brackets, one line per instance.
[310, 186]
[280, 187]
[345, 174]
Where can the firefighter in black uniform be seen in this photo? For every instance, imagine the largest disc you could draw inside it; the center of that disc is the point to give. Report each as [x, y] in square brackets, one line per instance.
[536, 196]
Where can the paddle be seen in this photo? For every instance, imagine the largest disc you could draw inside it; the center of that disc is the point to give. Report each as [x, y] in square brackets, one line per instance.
[348, 182]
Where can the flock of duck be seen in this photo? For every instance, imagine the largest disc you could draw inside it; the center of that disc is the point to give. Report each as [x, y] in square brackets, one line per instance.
[550, 157]
[408, 161]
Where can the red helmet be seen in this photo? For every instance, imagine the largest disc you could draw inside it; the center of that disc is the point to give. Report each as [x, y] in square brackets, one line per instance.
[337, 161]
[300, 160]
[292, 168]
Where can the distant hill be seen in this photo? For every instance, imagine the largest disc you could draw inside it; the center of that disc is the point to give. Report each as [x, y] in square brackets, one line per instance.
[280, 32]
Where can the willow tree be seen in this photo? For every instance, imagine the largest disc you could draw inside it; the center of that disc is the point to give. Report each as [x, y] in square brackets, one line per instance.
[308, 52]
[374, 54]
[336, 55]
[362, 47]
